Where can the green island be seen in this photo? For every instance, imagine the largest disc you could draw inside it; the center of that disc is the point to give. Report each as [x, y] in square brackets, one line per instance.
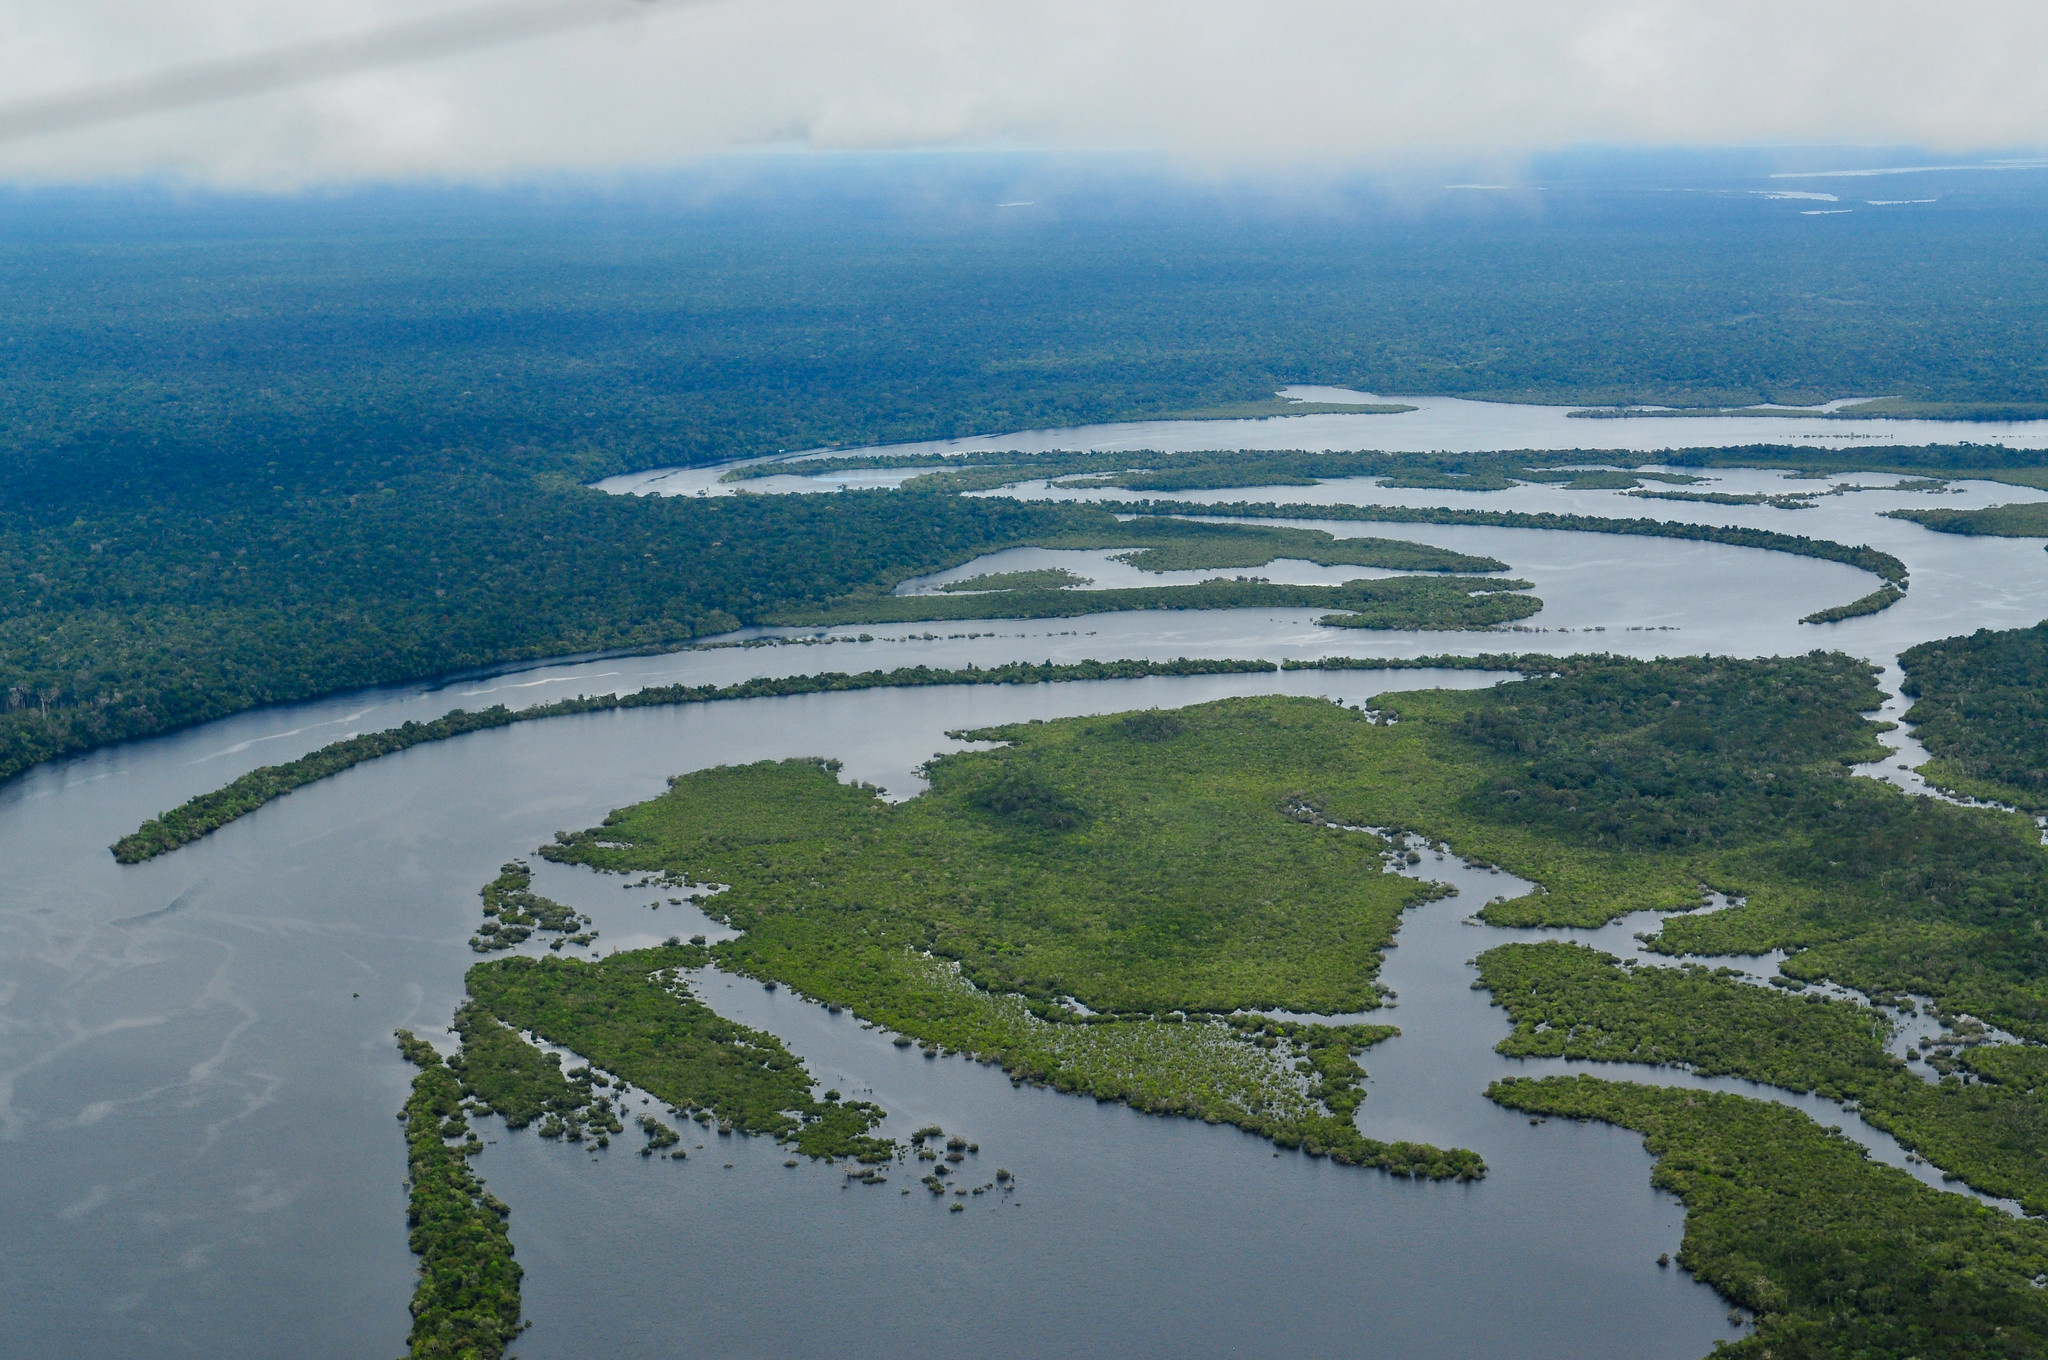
[1980, 706]
[513, 912]
[1048, 578]
[1569, 1001]
[1161, 869]
[1839, 1257]
[2029, 519]
[634, 1016]
[1398, 602]
[1784, 501]
[1883, 598]
[466, 1306]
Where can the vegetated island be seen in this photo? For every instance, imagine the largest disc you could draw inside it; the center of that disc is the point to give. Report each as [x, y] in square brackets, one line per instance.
[1153, 867]
[2028, 519]
[1839, 1257]
[1046, 578]
[1980, 706]
[1435, 603]
[1975, 1113]
[467, 1301]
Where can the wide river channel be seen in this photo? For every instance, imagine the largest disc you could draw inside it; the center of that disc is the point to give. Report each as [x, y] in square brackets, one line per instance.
[198, 1083]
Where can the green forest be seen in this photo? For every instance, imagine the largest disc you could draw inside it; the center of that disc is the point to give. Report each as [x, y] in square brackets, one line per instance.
[248, 457]
[1568, 1001]
[1980, 706]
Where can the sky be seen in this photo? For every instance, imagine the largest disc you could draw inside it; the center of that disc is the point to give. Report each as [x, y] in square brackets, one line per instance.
[1291, 83]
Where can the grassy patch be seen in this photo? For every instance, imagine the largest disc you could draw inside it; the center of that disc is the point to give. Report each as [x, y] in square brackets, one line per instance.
[1159, 868]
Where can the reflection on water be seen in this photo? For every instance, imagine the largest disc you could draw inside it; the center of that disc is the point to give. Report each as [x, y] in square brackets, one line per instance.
[197, 1081]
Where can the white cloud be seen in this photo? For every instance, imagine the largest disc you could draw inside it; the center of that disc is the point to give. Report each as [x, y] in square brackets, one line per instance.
[1226, 84]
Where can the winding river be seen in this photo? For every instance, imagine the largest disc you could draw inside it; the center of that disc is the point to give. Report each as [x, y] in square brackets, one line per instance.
[197, 1080]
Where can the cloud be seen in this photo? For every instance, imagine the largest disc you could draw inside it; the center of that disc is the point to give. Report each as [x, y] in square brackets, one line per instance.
[1228, 85]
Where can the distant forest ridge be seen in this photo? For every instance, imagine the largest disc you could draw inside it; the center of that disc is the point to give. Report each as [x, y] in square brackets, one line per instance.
[254, 458]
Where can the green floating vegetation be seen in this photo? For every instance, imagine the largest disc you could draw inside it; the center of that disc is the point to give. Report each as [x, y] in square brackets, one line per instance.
[513, 911]
[1866, 558]
[1569, 1001]
[1406, 602]
[209, 812]
[1049, 578]
[633, 1015]
[2029, 519]
[1153, 867]
[1875, 602]
[1980, 706]
[1839, 1257]
[466, 1306]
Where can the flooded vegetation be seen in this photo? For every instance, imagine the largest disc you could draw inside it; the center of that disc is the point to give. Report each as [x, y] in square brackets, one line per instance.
[1832, 1254]
[969, 918]
[467, 1302]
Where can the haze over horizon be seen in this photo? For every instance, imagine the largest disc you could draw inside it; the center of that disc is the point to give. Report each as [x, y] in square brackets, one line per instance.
[1213, 89]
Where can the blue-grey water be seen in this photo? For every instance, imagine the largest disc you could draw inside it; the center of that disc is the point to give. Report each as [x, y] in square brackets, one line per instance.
[197, 1084]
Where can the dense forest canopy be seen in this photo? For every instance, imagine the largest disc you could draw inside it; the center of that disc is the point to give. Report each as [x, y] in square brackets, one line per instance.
[252, 450]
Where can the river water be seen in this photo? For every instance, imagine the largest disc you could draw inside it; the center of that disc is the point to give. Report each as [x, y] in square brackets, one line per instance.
[197, 1082]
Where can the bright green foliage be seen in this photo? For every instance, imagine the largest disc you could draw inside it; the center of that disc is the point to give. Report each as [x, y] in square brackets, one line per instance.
[1050, 578]
[1146, 865]
[1393, 602]
[513, 911]
[633, 1015]
[1568, 1001]
[1840, 1257]
[1981, 709]
[210, 811]
[1135, 864]
[467, 1304]
[511, 1076]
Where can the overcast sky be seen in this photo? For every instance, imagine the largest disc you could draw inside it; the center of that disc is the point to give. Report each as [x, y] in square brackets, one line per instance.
[1345, 82]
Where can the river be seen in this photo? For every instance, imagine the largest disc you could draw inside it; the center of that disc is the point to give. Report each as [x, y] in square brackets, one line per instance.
[197, 1081]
